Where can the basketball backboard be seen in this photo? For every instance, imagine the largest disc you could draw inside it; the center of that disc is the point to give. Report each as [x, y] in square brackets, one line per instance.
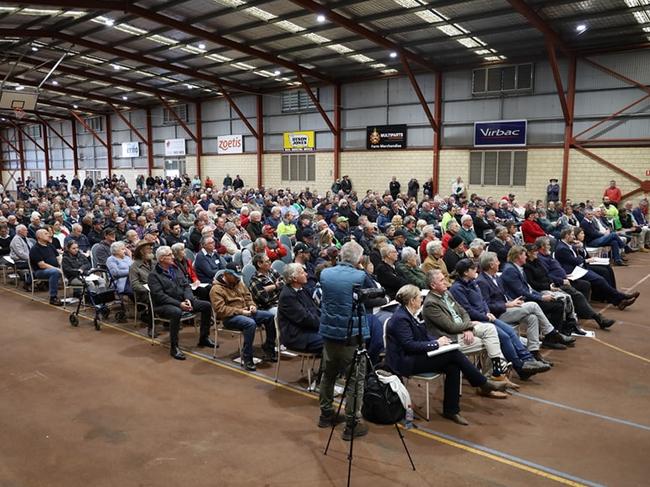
[11, 99]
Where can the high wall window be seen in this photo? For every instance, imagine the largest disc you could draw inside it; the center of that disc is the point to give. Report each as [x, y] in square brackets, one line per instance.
[34, 131]
[498, 168]
[180, 110]
[298, 167]
[502, 79]
[94, 175]
[297, 101]
[95, 123]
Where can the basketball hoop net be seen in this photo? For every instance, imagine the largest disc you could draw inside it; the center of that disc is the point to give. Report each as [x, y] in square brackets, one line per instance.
[19, 112]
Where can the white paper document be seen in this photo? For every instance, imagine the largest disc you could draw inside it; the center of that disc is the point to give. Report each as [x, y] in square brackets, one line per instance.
[198, 285]
[599, 261]
[590, 334]
[445, 349]
[577, 273]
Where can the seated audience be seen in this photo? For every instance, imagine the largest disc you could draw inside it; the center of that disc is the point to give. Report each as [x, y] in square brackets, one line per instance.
[408, 270]
[207, 261]
[44, 260]
[386, 272]
[118, 265]
[265, 285]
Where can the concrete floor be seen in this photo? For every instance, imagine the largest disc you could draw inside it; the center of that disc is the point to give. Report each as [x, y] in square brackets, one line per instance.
[80, 407]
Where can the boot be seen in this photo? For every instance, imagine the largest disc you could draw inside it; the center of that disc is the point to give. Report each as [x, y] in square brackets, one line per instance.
[176, 352]
[603, 322]
[538, 356]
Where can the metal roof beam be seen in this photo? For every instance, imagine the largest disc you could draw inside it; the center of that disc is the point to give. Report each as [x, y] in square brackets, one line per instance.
[540, 24]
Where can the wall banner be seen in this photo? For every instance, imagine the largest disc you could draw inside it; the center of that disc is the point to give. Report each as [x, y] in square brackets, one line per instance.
[230, 144]
[130, 149]
[175, 147]
[503, 133]
[385, 137]
[300, 141]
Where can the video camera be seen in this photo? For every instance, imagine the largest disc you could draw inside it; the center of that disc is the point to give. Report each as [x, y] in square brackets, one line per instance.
[364, 295]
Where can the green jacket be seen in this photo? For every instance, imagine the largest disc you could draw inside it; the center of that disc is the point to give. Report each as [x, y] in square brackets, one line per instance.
[438, 318]
[413, 275]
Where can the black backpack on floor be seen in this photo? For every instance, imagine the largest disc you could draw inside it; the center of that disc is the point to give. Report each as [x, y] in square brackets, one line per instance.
[381, 405]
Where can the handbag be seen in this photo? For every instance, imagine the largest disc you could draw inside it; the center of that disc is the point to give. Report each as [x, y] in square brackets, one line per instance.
[381, 405]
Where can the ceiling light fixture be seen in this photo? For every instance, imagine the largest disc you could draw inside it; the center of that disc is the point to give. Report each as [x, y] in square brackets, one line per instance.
[20, 87]
[116, 67]
[34, 48]
[110, 22]
[75, 106]
[125, 98]
[581, 28]
[321, 18]
[201, 46]
[393, 54]
[276, 72]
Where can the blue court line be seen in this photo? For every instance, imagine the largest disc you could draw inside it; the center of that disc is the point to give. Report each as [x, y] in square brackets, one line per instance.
[513, 458]
[584, 411]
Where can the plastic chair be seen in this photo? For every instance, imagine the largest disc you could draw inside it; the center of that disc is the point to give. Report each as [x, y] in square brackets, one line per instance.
[278, 266]
[286, 241]
[303, 355]
[236, 258]
[427, 378]
[288, 259]
[247, 273]
[34, 279]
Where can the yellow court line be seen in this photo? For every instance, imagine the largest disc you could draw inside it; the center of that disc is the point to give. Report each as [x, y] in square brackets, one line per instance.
[622, 351]
[497, 458]
[424, 434]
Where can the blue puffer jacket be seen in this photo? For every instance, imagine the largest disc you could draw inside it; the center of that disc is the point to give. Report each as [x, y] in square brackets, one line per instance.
[468, 295]
[336, 304]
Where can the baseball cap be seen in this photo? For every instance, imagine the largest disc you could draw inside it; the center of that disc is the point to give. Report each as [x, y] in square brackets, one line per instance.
[308, 232]
[341, 219]
[233, 269]
[300, 247]
[400, 233]
[152, 229]
[268, 229]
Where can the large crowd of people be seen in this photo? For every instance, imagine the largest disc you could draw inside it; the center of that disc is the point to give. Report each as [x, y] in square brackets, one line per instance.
[487, 266]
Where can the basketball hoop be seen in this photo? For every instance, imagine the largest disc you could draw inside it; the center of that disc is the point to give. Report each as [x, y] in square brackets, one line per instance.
[19, 112]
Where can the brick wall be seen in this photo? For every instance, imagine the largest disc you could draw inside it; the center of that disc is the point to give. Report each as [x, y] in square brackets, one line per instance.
[218, 166]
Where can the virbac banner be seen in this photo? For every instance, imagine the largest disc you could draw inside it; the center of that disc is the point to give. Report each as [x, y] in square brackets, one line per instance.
[502, 133]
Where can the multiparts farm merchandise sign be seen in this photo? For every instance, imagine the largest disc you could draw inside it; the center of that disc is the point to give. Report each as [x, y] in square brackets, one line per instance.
[385, 137]
[302, 141]
[503, 133]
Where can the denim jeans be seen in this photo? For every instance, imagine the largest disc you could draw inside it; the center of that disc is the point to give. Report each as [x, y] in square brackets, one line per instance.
[511, 346]
[613, 241]
[53, 275]
[247, 325]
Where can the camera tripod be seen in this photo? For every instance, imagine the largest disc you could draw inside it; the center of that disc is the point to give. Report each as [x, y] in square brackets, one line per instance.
[360, 357]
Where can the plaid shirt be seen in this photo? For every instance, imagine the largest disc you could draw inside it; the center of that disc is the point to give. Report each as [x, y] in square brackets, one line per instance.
[265, 299]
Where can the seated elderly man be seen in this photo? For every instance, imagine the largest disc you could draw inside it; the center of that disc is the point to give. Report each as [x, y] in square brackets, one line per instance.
[207, 261]
[77, 235]
[434, 259]
[444, 316]
[20, 246]
[501, 244]
[638, 226]
[597, 236]
[467, 232]
[266, 284]
[407, 269]
[43, 258]
[386, 272]
[233, 304]
[298, 315]
[516, 312]
[103, 250]
[172, 296]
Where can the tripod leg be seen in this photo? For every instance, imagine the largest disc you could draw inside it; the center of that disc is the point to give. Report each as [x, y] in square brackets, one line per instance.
[355, 367]
[401, 437]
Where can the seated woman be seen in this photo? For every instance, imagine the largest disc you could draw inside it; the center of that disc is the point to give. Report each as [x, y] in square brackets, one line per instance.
[75, 265]
[407, 344]
[452, 229]
[434, 261]
[229, 239]
[185, 266]
[605, 271]
[118, 265]
[298, 315]
[408, 269]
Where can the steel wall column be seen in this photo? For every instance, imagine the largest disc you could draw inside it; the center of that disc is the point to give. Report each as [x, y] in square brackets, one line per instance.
[437, 136]
[199, 139]
[21, 154]
[109, 145]
[260, 139]
[149, 143]
[568, 127]
[46, 151]
[75, 155]
[337, 133]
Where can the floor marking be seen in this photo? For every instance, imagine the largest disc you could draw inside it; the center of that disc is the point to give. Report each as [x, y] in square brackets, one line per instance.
[505, 458]
[628, 289]
[495, 455]
[583, 411]
[621, 350]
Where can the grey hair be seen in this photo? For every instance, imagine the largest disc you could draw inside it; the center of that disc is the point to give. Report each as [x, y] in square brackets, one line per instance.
[485, 261]
[255, 213]
[204, 240]
[386, 249]
[177, 247]
[432, 275]
[407, 253]
[290, 272]
[433, 246]
[162, 250]
[499, 228]
[115, 246]
[453, 224]
[465, 218]
[491, 213]
[351, 253]
[406, 293]
[427, 229]
[21, 227]
[259, 244]
[229, 226]
[477, 243]
[76, 226]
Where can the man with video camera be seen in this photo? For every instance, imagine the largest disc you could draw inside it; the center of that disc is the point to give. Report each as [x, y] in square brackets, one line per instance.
[339, 327]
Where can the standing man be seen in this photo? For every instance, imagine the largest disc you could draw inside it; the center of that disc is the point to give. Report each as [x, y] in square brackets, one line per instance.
[613, 193]
[394, 187]
[238, 183]
[172, 296]
[553, 191]
[337, 313]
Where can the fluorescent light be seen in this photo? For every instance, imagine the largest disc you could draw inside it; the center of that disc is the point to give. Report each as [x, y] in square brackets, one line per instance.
[581, 28]
[109, 22]
[20, 87]
[116, 67]
[55, 82]
[276, 72]
[321, 18]
[75, 106]
[201, 46]
[125, 98]
[393, 54]
[34, 48]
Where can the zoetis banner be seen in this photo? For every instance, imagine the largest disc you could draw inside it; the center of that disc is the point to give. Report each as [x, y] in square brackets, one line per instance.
[300, 141]
[502, 133]
[230, 144]
[385, 137]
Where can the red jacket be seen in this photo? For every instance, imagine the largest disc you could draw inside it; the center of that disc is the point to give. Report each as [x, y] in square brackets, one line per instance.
[614, 194]
[277, 252]
[531, 230]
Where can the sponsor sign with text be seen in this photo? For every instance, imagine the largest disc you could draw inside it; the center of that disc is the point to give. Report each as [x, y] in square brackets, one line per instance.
[300, 141]
[175, 147]
[503, 133]
[130, 149]
[385, 137]
[230, 144]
